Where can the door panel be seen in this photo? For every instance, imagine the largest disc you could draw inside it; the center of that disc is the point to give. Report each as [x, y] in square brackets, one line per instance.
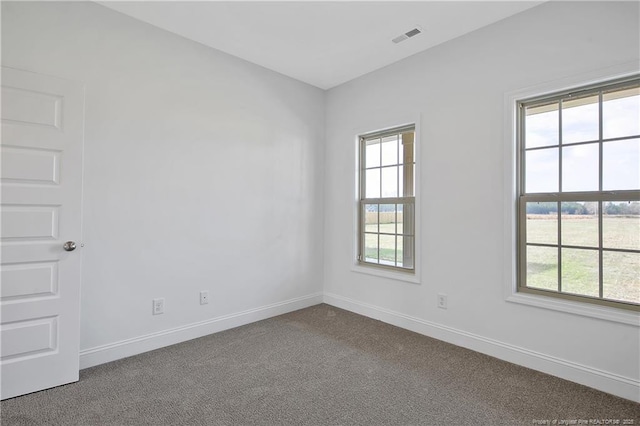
[30, 166]
[41, 178]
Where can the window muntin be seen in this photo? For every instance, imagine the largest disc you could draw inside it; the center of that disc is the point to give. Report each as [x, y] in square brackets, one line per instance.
[386, 213]
[579, 194]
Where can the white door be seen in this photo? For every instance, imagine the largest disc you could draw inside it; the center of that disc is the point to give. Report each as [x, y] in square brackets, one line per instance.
[41, 182]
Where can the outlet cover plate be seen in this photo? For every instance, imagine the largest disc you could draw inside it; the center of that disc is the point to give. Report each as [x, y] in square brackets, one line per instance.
[158, 306]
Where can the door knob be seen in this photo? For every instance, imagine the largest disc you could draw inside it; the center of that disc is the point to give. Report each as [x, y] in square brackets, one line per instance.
[69, 246]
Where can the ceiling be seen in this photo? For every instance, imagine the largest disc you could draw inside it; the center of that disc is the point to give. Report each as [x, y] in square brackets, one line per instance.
[321, 43]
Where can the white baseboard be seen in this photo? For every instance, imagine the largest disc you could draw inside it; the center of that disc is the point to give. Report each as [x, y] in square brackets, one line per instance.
[125, 348]
[623, 387]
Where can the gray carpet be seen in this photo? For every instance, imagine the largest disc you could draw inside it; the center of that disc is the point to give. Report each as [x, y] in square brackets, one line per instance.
[316, 366]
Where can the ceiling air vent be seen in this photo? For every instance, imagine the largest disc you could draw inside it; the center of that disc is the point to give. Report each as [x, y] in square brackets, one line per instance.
[408, 34]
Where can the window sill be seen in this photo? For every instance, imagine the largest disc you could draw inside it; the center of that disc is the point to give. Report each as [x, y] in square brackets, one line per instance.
[583, 309]
[379, 272]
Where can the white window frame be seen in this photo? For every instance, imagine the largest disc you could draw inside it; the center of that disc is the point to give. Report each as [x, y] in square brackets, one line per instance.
[384, 272]
[511, 198]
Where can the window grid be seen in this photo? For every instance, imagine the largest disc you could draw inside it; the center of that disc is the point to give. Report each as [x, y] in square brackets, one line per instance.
[599, 196]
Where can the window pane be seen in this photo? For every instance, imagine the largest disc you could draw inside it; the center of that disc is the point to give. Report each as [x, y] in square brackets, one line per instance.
[388, 250]
[621, 165]
[371, 218]
[621, 276]
[371, 248]
[390, 150]
[400, 249]
[621, 113]
[372, 183]
[388, 218]
[372, 150]
[580, 169]
[407, 175]
[542, 267]
[542, 170]
[580, 120]
[579, 223]
[621, 225]
[401, 219]
[541, 126]
[542, 223]
[413, 187]
[390, 181]
[542, 208]
[580, 272]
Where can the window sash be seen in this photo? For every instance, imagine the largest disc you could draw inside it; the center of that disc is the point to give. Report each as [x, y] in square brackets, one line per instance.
[599, 197]
[408, 230]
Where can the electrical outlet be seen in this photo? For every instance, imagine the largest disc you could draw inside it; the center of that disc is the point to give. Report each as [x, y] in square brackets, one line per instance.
[158, 306]
[442, 301]
[204, 297]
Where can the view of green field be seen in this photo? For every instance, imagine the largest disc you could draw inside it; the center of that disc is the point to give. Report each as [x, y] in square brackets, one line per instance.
[580, 266]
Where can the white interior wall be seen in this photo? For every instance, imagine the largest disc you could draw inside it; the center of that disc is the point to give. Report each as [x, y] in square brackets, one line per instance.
[200, 166]
[202, 172]
[458, 89]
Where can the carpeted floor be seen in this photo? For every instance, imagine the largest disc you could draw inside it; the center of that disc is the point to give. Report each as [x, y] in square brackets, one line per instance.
[316, 366]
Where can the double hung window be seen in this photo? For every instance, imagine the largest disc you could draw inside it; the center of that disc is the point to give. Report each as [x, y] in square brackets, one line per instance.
[387, 199]
[579, 194]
